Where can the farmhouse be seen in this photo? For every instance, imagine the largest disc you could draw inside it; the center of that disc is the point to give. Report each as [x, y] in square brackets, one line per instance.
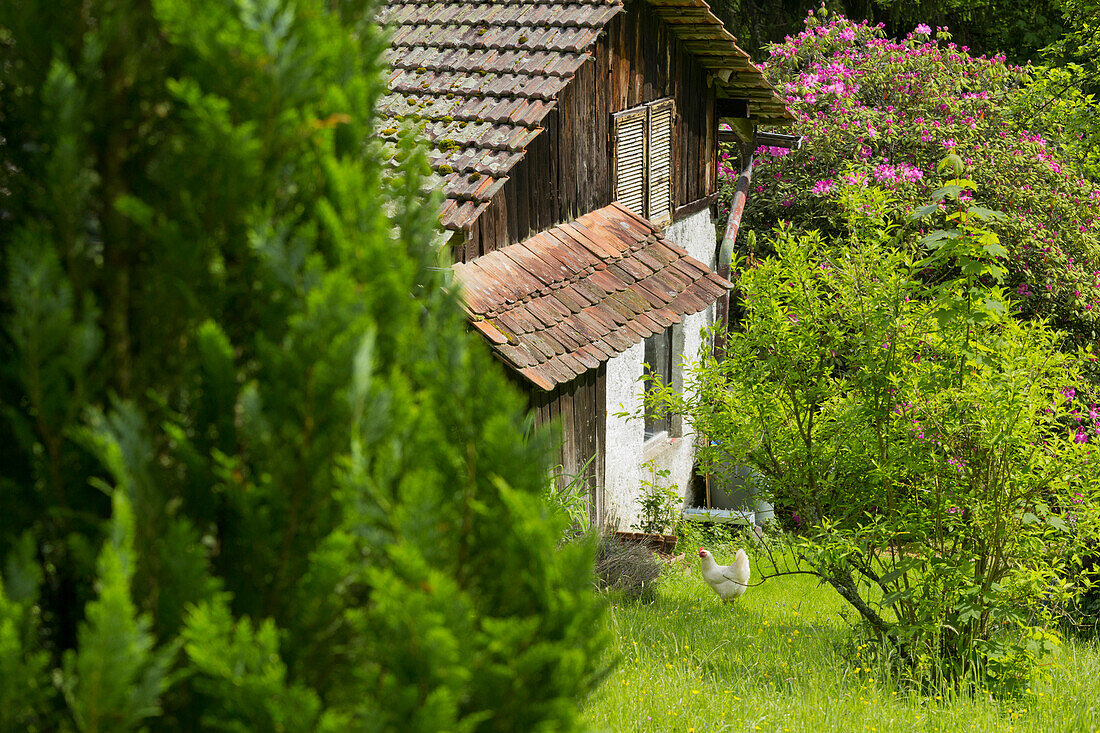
[577, 147]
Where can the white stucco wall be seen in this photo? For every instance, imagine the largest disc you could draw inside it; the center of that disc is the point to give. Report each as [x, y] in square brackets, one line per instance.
[626, 448]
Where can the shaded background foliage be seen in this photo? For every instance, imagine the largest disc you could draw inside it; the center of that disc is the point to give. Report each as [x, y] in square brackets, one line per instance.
[1020, 30]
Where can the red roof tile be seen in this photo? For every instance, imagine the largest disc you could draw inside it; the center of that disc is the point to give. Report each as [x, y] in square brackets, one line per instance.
[550, 315]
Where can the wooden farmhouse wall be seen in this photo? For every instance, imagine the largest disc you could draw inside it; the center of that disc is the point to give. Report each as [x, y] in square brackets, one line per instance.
[567, 169]
[577, 408]
[567, 172]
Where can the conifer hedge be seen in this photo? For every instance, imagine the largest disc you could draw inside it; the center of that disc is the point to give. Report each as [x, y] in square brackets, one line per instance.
[256, 475]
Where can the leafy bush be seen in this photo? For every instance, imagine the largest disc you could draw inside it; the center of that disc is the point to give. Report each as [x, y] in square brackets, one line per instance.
[932, 443]
[659, 502]
[1080, 613]
[881, 113]
[1060, 99]
[568, 497]
[1057, 102]
[257, 475]
[727, 538]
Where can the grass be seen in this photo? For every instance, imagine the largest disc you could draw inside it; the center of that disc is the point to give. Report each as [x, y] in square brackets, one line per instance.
[775, 661]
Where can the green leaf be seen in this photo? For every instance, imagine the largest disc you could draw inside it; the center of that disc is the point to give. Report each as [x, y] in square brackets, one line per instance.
[968, 611]
[891, 576]
[939, 237]
[952, 161]
[984, 213]
[115, 676]
[994, 306]
[1057, 522]
[973, 267]
[995, 249]
[924, 212]
[902, 595]
[951, 191]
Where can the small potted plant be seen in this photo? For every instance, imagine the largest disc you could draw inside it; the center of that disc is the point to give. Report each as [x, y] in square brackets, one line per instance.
[660, 506]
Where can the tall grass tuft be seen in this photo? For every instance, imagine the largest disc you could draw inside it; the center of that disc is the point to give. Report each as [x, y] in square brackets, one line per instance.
[627, 568]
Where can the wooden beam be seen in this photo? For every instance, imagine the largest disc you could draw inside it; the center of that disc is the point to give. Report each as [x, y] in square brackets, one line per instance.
[779, 140]
[744, 131]
[729, 239]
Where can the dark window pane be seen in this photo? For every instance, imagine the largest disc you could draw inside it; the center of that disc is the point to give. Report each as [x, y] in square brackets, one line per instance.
[659, 361]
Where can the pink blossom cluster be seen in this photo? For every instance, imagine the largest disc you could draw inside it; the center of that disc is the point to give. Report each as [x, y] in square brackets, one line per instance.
[1086, 420]
[885, 172]
[880, 112]
[773, 152]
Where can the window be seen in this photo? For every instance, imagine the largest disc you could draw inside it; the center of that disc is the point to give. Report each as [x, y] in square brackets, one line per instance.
[659, 362]
[643, 160]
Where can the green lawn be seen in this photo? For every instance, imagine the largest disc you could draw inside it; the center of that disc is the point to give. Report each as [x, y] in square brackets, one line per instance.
[773, 662]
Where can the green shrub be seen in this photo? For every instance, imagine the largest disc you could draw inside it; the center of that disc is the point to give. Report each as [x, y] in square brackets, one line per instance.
[659, 502]
[568, 497]
[931, 442]
[257, 475]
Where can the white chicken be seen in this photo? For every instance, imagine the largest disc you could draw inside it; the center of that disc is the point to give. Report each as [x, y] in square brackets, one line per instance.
[728, 581]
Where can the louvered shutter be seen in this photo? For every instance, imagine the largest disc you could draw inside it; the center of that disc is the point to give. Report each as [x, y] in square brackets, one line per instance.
[630, 160]
[660, 162]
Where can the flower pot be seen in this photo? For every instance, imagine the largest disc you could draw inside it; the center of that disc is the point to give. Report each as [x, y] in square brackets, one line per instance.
[662, 543]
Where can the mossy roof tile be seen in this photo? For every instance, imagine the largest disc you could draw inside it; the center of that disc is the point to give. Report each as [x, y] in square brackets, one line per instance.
[560, 315]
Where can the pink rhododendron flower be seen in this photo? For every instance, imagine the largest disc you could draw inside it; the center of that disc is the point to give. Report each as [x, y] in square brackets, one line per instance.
[879, 112]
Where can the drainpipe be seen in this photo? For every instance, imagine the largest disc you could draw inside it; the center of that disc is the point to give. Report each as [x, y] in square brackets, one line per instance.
[725, 254]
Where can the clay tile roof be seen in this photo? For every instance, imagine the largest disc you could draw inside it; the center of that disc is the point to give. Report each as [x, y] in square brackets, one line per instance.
[482, 75]
[567, 299]
[716, 48]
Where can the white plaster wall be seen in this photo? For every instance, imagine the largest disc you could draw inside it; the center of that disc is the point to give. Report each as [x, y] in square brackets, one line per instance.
[696, 234]
[626, 447]
[623, 438]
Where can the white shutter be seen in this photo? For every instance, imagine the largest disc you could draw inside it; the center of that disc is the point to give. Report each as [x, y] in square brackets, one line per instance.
[660, 162]
[630, 160]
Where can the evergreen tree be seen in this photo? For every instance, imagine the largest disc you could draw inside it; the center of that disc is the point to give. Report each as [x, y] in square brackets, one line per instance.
[256, 475]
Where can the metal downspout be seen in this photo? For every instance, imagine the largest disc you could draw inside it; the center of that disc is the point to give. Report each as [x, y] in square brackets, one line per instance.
[725, 254]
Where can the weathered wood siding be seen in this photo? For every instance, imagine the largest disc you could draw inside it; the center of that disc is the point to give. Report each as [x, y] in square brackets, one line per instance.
[575, 411]
[567, 172]
[567, 169]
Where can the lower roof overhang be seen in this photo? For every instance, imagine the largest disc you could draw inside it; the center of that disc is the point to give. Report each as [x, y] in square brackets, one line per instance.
[571, 297]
